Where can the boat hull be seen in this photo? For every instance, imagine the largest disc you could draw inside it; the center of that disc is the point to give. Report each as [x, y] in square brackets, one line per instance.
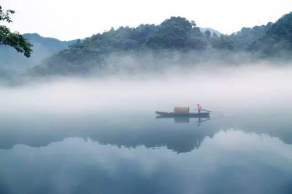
[189, 115]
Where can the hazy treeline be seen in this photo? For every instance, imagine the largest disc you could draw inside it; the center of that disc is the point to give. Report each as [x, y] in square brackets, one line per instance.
[175, 40]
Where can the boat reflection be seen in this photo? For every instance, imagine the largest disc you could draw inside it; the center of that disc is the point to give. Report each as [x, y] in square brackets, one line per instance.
[186, 118]
[183, 115]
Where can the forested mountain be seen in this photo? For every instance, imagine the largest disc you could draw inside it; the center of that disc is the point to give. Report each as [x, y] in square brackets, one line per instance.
[277, 41]
[13, 62]
[247, 36]
[174, 34]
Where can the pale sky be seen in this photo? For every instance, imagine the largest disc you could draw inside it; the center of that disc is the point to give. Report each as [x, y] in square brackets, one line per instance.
[72, 19]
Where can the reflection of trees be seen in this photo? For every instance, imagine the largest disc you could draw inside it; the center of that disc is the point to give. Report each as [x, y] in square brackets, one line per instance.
[179, 139]
[176, 140]
[175, 136]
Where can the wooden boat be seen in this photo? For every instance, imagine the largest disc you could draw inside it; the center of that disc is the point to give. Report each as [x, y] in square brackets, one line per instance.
[182, 114]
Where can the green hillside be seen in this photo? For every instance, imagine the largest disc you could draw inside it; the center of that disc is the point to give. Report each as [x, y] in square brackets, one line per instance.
[174, 34]
[277, 41]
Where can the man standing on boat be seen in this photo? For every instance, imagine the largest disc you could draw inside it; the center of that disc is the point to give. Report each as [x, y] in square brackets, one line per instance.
[199, 108]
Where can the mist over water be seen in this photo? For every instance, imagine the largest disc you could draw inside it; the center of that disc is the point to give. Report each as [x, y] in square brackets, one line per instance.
[87, 134]
[215, 87]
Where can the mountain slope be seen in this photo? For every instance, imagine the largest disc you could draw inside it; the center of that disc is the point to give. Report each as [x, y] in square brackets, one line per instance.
[176, 34]
[247, 36]
[277, 41]
[173, 34]
[13, 62]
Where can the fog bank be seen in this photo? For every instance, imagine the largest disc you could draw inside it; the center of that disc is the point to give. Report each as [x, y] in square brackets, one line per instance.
[254, 86]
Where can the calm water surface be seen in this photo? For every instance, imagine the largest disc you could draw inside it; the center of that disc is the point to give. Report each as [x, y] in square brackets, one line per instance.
[133, 152]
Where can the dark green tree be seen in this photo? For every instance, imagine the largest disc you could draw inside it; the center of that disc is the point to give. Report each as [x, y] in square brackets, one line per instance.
[277, 40]
[13, 39]
[208, 34]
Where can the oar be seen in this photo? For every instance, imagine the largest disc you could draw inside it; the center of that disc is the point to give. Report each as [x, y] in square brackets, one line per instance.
[204, 110]
[210, 111]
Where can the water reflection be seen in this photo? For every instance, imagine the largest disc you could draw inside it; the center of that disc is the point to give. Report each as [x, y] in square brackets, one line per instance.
[230, 162]
[186, 119]
[136, 130]
[137, 153]
[132, 133]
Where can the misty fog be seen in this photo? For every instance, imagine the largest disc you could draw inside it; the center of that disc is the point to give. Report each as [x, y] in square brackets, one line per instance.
[215, 85]
[102, 128]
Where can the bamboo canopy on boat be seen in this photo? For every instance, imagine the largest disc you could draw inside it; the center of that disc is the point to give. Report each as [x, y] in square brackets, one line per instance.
[181, 109]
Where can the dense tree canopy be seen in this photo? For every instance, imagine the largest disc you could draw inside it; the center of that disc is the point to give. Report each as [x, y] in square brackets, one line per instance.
[246, 36]
[173, 34]
[277, 40]
[13, 39]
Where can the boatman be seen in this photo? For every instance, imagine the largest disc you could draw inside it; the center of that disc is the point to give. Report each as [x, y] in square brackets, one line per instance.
[199, 108]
